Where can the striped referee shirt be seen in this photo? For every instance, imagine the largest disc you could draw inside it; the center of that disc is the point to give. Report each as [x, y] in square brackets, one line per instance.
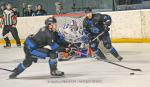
[9, 17]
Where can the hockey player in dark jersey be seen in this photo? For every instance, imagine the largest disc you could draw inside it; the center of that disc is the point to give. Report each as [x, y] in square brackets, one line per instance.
[43, 44]
[94, 24]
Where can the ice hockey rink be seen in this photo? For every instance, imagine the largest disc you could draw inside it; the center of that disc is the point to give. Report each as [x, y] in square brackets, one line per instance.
[86, 72]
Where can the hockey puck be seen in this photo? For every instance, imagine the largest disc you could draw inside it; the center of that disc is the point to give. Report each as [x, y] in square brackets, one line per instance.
[131, 73]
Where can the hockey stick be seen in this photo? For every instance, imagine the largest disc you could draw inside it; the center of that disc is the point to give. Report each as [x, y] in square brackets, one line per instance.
[110, 61]
[123, 66]
[6, 69]
[118, 64]
[99, 35]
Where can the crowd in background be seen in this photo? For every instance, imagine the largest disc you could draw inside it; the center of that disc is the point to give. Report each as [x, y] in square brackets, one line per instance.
[27, 10]
[38, 11]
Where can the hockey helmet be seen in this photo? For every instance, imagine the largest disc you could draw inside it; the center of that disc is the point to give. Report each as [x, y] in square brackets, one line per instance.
[88, 10]
[50, 20]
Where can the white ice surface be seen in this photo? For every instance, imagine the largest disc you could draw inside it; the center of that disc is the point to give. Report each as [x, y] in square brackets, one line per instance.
[81, 73]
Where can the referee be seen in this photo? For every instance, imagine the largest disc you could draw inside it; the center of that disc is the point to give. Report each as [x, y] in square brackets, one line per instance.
[10, 21]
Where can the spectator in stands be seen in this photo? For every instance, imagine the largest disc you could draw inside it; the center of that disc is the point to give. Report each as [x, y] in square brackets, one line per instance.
[29, 11]
[3, 7]
[16, 13]
[36, 7]
[24, 6]
[40, 11]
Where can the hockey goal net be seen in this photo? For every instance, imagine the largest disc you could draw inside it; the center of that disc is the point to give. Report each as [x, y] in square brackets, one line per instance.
[71, 26]
[62, 19]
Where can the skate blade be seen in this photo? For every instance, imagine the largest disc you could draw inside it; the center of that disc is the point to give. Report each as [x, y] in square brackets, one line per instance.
[57, 76]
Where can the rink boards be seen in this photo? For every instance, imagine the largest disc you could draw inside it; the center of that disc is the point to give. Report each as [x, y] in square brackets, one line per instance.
[127, 26]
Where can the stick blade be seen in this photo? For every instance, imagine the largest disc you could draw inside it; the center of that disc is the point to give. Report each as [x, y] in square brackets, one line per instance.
[137, 70]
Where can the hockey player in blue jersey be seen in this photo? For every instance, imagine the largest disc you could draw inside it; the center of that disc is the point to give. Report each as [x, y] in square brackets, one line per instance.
[94, 24]
[44, 43]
